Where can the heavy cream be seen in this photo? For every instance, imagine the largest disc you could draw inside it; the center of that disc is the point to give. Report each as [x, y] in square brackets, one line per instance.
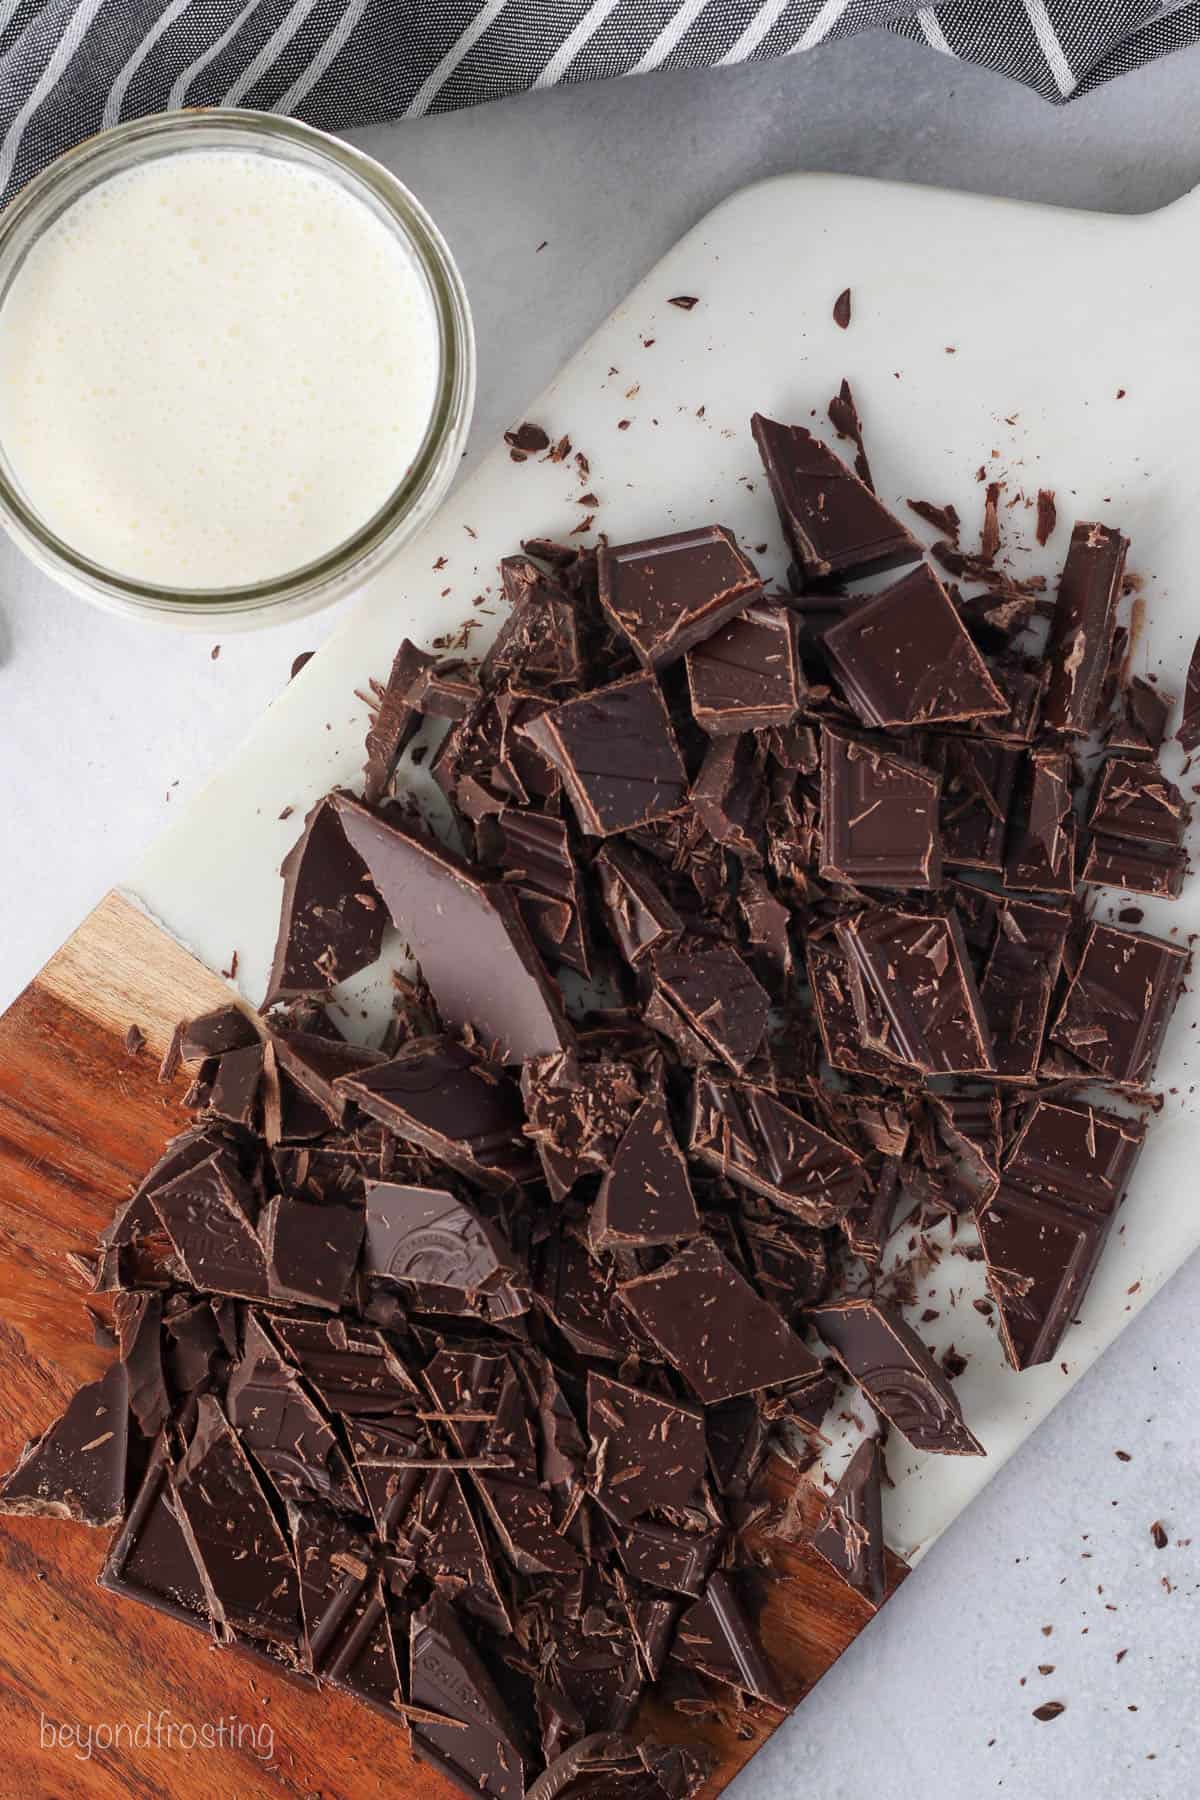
[214, 369]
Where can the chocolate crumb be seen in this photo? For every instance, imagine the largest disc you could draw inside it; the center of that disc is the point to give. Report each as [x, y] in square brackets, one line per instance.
[1052, 1709]
[1159, 1534]
[135, 1040]
[684, 302]
[527, 439]
[1047, 514]
[304, 657]
[841, 309]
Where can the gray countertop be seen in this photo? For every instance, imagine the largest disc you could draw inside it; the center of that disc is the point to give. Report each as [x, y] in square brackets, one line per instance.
[105, 728]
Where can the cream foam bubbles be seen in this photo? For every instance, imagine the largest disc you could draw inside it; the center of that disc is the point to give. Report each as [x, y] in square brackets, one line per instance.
[215, 368]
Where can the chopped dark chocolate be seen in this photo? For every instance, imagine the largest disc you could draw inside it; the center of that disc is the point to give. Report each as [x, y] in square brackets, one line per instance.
[747, 676]
[638, 913]
[1018, 982]
[442, 1252]
[534, 855]
[332, 921]
[905, 658]
[1143, 729]
[395, 720]
[916, 968]
[977, 784]
[478, 1746]
[208, 1215]
[616, 753]
[1081, 631]
[716, 1636]
[645, 1196]
[832, 521]
[879, 816]
[705, 996]
[539, 641]
[1135, 800]
[1041, 855]
[666, 594]
[647, 1453]
[1120, 1001]
[888, 1361]
[750, 1136]
[216, 1033]
[77, 1468]
[468, 935]
[849, 1533]
[710, 1324]
[289, 1438]
[1189, 725]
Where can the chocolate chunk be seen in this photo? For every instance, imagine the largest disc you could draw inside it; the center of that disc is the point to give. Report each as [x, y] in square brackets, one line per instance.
[352, 1371]
[314, 1062]
[647, 1453]
[842, 1002]
[879, 815]
[849, 1533]
[768, 935]
[289, 1438]
[452, 1103]
[729, 796]
[441, 1250]
[645, 1197]
[705, 996]
[468, 935]
[478, 1747]
[1081, 631]
[450, 1547]
[832, 521]
[138, 1318]
[533, 853]
[905, 658]
[332, 921]
[666, 594]
[76, 1469]
[638, 913]
[608, 1766]
[520, 1511]
[616, 753]
[1189, 725]
[577, 1293]
[1041, 856]
[916, 969]
[1143, 728]
[577, 1114]
[235, 1087]
[1017, 984]
[334, 1562]
[710, 1324]
[1153, 869]
[1119, 1004]
[216, 1033]
[1043, 1232]
[716, 1637]
[841, 309]
[539, 641]
[1135, 800]
[150, 1559]
[750, 1136]
[897, 1374]
[663, 1557]
[977, 784]
[747, 676]
[395, 720]
[249, 1576]
[206, 1213]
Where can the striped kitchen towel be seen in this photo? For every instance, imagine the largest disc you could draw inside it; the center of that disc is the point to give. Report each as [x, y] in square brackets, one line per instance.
[69, 67]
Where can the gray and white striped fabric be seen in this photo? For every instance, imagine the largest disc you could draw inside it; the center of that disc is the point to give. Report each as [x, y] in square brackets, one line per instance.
[69, 67]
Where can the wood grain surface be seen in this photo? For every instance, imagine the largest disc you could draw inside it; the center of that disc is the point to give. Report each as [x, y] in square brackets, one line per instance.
[81, 1118]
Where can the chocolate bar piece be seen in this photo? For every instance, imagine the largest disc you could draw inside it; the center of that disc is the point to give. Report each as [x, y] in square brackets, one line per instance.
[638, 913]
[395, 719]
[1135, 800]
[747, 676]
[478, 1746]
[832, 521]
[706, 999]
[711, 1325]
[311, 1248]
[1154, 869]
[77, 1468]
[1081, 631]
[1044, 1231]
[150, 1558]
[1018, 981]
[577, 1114]
[332, 921]
[647, 1453]
[906, 658]
[666, 594]
[751, 1137]
[1142, 729]
[290, 1439]
[645, 1196]
[533, 853]
[468, 935]
[1041, 856]
[716, 1637]
[879, 815]
[1119, 1004]
[888, 1361]
[855, 1033]
[207, 1214]
[1189, 725]
[849, 1533]
[442, 1251]
[539, 641]
[918, 973]
[978, 777]
[616, 753]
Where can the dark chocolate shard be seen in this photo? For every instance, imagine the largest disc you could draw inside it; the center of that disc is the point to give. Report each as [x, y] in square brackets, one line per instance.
[1153, 869]
[1081, 632]
[608, 1766]
[314, 1062]
[332, 921]
[452, 1103]
[736, 1436]
[849, 1533]
[647, 1452]
[748, 1135]
[662, 1556]
[645, 1197]
[577, 1292]
[538, 642]
[706, 993]
[919, 975]
[577, 1114]
[150, 1559]
[1189, 725]
[534, 855]
[729, 796]
[1117, 1009]
[288, 1436]
[710, 1324]
[1018, 981]
[216, 1033]
[312, 1249]
[335, 1562]
[716, 1637]
[1142, 729]
[855, 1033]
[206, 1212]
[395, 720]
[747, 676]
[1044, 1231]
[905, 658]
[351, 1369]
[888, 1361]
[520, 1511]
[616, 753]
[450, 1548]
[441, 1251]
[392, 1457]
[879, 816]
[978, 776]
[637, 911]
[235, 1086]
[138, 1319]
[1134, 800]
[1041, 855]
[77, 1468]
[667, 594]
[468, 935]
[478, 1747]
[364, 1661]
[249, 1575]
[832, 521]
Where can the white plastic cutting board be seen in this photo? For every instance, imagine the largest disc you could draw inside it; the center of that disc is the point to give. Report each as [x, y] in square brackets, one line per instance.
[1053, 349]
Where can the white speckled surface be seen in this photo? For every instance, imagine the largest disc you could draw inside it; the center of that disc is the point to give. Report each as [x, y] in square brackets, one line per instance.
[97, 720]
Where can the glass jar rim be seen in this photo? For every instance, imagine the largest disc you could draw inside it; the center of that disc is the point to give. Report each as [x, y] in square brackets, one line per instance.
[324, 578]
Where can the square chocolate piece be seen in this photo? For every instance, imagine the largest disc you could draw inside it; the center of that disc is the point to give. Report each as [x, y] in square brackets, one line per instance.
[879, 816]
[616, 753]
[665, 594]
[747, 676]
[1120, 1002]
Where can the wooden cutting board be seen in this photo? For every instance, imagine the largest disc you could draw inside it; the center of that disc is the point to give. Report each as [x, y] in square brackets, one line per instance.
[1078, 377]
